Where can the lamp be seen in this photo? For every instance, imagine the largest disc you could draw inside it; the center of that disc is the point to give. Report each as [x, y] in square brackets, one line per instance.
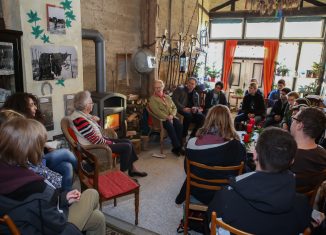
[268, 7]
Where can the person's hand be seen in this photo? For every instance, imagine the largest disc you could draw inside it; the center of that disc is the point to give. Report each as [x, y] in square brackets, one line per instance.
[73, 196]
[251, 115]
[285, 126]
[277, 117]
[200, 109]
[170, 118]
[194, 109]
[186, 110]
[95, 118]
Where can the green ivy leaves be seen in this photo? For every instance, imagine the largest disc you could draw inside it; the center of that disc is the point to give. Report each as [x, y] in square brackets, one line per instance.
[66, 5]
[33, 18]
[69, 13]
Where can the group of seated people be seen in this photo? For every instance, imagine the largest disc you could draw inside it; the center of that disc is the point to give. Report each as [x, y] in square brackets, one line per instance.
[263, 201]
[34, 175]
[260, 202]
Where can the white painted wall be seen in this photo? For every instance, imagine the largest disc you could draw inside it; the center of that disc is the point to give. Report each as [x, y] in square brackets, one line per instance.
[15, 15]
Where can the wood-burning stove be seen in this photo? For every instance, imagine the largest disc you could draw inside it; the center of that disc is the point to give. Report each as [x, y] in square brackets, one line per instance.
[111, 109]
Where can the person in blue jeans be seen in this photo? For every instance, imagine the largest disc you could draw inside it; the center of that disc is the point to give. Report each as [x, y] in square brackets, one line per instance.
[61, 161]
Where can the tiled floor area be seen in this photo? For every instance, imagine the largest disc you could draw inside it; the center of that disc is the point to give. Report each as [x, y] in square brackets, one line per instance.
[158, 212]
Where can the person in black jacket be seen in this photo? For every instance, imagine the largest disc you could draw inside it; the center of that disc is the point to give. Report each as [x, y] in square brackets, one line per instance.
[265, 201]
[216, 144]
[277, 112]
[187, 101]
[214, 97]
[33, 204]
[252, 107]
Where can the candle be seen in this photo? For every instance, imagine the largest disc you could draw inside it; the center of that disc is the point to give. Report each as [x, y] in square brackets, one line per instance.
[252, 121]
[249, 128]
[246, 138]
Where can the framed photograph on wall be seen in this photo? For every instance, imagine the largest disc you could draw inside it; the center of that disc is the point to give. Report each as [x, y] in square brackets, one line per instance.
[56, 21]
[47, 110]
[69, 104]
[54, 62]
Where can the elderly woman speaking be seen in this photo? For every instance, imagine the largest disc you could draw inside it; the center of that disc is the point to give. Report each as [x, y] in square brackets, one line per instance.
[88, 131]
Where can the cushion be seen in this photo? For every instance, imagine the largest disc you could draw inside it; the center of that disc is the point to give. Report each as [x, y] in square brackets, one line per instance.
[72, 134]
[115, 183]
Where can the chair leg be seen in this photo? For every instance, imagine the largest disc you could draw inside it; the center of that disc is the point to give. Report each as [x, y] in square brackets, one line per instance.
[115, 202]
[161, 141]
[136, 206]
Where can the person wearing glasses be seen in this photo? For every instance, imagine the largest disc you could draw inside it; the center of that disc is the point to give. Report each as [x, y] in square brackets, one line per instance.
[187, 101]
[61, 160]
[88, 131]
[163, 107]
[265, 201]
[310, 160]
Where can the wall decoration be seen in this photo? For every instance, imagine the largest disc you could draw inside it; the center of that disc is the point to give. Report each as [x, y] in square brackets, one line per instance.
[54, 62]
[56, 19]
[123, 67]
[69, 13]
[36, 29]
[69, 104]
[47, 110]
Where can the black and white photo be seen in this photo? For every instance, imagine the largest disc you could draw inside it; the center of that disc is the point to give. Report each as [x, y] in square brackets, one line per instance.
[54, 62]
[56, 19]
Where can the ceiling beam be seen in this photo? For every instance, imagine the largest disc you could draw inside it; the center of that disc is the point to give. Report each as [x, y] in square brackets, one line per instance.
[219, 7]
[315, 2]
[308, 11]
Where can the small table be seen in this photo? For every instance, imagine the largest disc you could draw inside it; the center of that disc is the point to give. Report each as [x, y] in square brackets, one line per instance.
[237, 98]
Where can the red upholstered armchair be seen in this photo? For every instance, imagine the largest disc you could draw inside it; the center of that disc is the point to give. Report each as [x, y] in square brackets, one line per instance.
[110, 184]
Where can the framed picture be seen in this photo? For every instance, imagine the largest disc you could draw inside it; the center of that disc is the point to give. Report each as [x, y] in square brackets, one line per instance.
[257, 73]
[54, 62]
[123, 66]
[69, 104]
[47, 110]
[11, 76]
[56, 22]
[235, 73]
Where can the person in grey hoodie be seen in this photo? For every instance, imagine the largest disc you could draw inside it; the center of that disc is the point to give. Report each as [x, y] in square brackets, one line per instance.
[265, 201]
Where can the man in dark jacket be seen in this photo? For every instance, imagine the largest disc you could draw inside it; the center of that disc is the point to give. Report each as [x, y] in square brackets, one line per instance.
[277, 112]
[265, 201]
[214, 97]
[252, 107]
[187, 101]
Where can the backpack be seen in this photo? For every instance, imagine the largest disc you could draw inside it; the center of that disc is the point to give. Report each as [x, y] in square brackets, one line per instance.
[200, 226]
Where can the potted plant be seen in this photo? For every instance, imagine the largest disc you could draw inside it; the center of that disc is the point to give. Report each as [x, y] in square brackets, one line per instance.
[316, 69]
[281, 69]
[238, 92]
[212, 72]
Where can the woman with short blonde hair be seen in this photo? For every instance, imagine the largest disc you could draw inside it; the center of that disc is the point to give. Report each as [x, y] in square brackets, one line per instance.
[215, 144]
[162, 106]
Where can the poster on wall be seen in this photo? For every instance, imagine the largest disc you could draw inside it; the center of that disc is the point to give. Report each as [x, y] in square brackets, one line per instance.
[6, 58]
[56, 23]
[54, 62]
[69, 104]
[47, 111]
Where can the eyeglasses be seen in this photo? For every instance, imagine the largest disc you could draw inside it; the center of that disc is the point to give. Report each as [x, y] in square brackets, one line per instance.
[294, 118]
[159, 87]
[91, 103]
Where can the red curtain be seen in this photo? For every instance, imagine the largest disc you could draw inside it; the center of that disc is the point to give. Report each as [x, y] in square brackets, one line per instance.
[271, 50]
[230, 46]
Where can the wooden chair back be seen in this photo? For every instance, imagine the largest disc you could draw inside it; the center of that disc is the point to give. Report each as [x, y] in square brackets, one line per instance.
[10, 223]
[157, 126]
[110, 184]
[102, 151]
[310, 190]
[218, 223]
[194, 180]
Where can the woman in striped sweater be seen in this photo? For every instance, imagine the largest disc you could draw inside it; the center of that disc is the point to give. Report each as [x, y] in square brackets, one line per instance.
[88, 131]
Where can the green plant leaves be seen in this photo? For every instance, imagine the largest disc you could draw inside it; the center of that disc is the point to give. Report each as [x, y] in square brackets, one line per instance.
[70, 15]
[37, 31]
[33, 18]
[45, 39]
[66, 4]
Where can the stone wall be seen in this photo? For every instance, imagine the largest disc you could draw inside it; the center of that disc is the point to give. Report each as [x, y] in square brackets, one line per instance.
[119, 22]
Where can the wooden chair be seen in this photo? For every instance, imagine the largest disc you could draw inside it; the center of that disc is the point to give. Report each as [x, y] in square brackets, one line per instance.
[310, 190]
[219, 223]
[209, 184]
[102, 151]
[110, 184]
[157, 126]
[10, 223]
